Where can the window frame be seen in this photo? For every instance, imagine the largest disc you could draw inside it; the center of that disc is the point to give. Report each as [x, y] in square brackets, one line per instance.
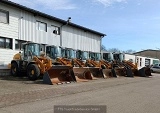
[56, 28]
[38, 23]
[4, 46]
[7, 14]
[20, 42]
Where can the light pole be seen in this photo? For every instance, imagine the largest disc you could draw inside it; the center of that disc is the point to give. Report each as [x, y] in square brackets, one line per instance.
[67, 22]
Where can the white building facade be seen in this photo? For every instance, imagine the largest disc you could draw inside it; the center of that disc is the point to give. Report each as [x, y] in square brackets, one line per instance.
[141, 60]
[19, 24]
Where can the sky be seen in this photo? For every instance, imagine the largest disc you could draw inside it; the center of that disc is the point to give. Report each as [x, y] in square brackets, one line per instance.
[128, 24]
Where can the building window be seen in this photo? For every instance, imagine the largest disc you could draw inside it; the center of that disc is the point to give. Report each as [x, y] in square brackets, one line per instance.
[55, 29]
[18, 44]
[41, 26]
[8, 43]
[2, 42]
[4, 16]
[140, 61]
[5, 43]
[42, 47]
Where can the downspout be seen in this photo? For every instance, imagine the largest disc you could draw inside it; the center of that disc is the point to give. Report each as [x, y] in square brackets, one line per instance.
[67, 22]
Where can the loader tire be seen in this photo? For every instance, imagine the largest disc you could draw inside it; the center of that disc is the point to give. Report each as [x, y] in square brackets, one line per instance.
[14, 69]
[33, 72]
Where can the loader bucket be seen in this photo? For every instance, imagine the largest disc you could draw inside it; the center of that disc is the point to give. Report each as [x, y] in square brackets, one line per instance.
[119, 72]
[82, 74]
[129, 73]
[58, 75]
[107, 73]
[96, 72]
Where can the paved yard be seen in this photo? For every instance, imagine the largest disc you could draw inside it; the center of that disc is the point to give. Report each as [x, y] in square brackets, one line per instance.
[120, 95]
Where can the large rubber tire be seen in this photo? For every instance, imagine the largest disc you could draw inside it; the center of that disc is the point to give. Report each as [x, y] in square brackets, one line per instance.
[14, 69]
[33, 72]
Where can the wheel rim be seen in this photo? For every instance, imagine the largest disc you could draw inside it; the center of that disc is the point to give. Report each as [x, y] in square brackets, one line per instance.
[32, 72]
[14, 69]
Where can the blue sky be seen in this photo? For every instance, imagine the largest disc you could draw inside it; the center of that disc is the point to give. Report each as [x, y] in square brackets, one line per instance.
[128, 24]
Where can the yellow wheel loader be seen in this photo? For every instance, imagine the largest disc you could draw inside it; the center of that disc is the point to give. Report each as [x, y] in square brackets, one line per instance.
[69, 57]
[129, 69]
[143, 72]
[33, 62]
[107, 69]
[101, 68]
[115, 59]
[121, 68]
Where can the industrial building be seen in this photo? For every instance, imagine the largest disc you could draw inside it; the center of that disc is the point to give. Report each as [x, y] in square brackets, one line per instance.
[19, 24]
[149, 53]
[141, 60]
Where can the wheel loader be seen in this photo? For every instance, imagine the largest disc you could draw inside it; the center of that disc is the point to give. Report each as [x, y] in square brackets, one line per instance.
[115, 60]
[34, 63]
[128, 68]
[101, 68]
[72, 58]
[143, 72]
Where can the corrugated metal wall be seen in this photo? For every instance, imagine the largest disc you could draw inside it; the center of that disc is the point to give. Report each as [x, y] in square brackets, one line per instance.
[71, 37]
[29, 32]
[9, 30]
[22, 26]
[80, 39]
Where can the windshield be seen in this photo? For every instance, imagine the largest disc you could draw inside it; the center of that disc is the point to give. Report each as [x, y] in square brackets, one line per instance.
[63, 53]
[108, 56]
[79, 54]
[92, 56]
[72, 53]
[85, 55]
[31, 49]
[53, 52]
[97, 56]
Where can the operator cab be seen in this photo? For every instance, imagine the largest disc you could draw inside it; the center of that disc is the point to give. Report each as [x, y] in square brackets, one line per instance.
[30, 50]
[79, 54]
[92, 55]
[108, 56]
[97, 56]
[118, 56]
[85, 55]
[54, 51]
[70, 53]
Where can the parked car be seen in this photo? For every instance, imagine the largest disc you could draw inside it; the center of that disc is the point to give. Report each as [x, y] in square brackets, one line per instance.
[155, 68]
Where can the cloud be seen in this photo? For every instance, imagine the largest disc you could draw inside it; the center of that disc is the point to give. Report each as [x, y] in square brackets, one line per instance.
[107, 3]
[47, 4]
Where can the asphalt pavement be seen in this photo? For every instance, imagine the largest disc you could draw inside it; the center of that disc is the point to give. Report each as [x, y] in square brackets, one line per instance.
[119, 95]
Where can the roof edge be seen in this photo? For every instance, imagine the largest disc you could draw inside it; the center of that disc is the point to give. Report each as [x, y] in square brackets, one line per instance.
[49, 16]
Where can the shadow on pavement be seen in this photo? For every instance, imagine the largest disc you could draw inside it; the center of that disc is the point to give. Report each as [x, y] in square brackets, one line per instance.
[23, 79]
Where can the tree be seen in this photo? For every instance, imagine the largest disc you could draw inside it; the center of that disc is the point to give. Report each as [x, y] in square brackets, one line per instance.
[114, 50]
[130, 51]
